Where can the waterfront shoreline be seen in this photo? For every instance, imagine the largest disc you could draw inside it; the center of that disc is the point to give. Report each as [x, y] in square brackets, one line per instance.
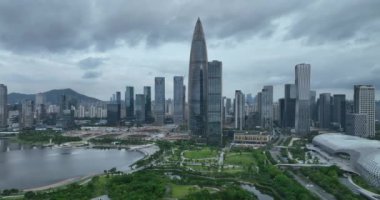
[146, 150]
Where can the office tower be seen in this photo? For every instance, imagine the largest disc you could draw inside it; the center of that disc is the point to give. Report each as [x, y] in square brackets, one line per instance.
[40, 106]
[302, 82]
[184, 104]
[148, 105]
[364, 103]
[282, 110]
[197, 87]
[259, 106]
[140, 108]
[228, 106]
[3, 106]
[239, 110]
[339, 110]
[129, 103]
[276, 112]
[27, 117]
[159, 100]
[267, 107]
[63, 104]
[112, 114]
[118, 102]
[214, 103]
[290, 106]
[249, 99]
[356, 124]
[169, 108]
[313, 106]
[324, 110]
[179, 106]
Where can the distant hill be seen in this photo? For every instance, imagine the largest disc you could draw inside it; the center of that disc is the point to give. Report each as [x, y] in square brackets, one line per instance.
[52, 96]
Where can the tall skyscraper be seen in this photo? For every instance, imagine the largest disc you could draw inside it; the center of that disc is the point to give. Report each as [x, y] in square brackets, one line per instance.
[239, 110]
[214, 103]
[356, 124]
[302, 82]
[27, 114]
[339, 110]
[3, 106]
[179, 107]
[197, 87]
[281, 103]
[148, 105]
[364, 103]
[40, 106]
[140, 108]
[118, 102]
[159, 100]
[289, 105]
[267, 107]
[129, 103]
[324, 110]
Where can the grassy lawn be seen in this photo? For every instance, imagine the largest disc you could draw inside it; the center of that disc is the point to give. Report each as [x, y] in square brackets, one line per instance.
[243, 158]
[233, 170]
[180, 191]
[201, 153]
[202, 168]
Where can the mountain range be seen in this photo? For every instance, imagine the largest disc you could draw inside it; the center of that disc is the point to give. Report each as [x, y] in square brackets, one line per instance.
[52, 96]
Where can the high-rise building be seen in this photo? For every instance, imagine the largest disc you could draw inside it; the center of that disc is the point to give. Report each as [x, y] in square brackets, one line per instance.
[289, 106]
[267, 107]
[159, 100]
[356, 124]
[302, 82]
[228, 106]
[364, 103]
[239, 110]
[339, 110]
[129, 103]
[118, 102]
[27, 114]
[112, 114]
[276, 112]
[140, 108]
[214, 103]
[179, 107]
[281, 103]
[3, 106]
[148, 105]
[324, 110]
[313, 106]
[197, 87]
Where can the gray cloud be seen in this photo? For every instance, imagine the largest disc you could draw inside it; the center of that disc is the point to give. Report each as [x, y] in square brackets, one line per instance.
[259, 42]
[330, 21]
[91, 75]
[91, 63]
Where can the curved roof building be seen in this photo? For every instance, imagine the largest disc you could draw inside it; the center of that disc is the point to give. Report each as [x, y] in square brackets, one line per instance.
[363, 154]
[197, 92]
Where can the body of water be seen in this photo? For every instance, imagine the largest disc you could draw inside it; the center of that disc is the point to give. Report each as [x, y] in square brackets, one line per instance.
[24, 166]
[252, 189]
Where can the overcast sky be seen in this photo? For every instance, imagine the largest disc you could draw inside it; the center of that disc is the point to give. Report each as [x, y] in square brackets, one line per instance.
[98, 47]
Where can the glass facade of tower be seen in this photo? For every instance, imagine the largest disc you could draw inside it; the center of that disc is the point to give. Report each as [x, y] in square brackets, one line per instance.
[3, 106]
[159, 100]
[197, 87]
[148, 104]
[129, 103]
[302, 82]
[178, 104]
[140, 108]
[214, 102]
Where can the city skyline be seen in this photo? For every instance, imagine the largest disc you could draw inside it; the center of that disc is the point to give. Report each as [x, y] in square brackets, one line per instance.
[257, 52]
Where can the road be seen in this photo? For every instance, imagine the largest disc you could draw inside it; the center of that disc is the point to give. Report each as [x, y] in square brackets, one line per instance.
[322, 194]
